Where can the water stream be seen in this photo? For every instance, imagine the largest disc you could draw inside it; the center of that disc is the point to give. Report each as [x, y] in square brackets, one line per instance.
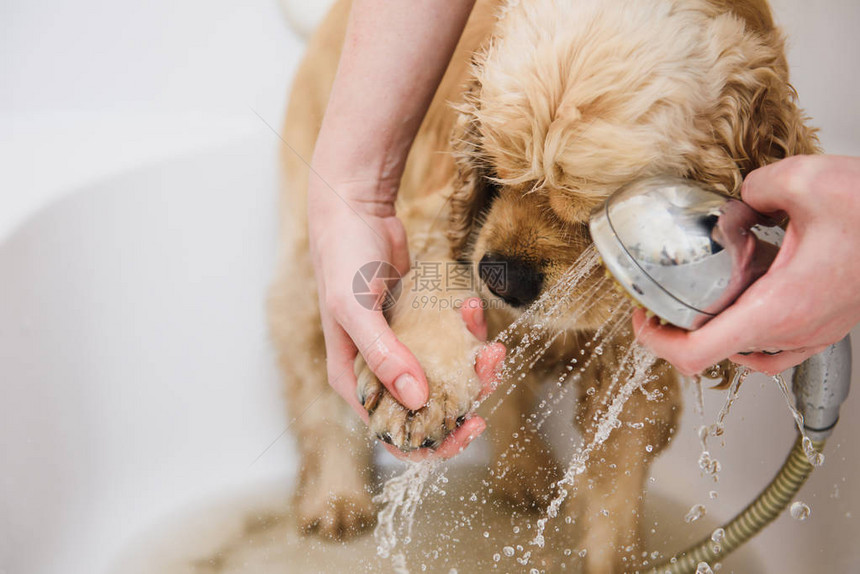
[528, 339]
[814, 457]
[637, 362]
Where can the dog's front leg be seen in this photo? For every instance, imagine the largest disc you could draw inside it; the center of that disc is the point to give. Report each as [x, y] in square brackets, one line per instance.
[608, 497]
[524, 470]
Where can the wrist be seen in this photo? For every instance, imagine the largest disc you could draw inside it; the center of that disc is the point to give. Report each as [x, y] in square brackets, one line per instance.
[360, 159]
[355, 184]
[350, 195]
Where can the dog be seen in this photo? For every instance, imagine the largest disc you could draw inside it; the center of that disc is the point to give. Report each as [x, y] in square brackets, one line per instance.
[545, 109]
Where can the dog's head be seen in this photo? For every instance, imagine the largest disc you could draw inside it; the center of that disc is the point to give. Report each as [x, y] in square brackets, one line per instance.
[571, 100]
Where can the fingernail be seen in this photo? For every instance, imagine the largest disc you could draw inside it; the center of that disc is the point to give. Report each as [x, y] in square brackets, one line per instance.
[410, 394]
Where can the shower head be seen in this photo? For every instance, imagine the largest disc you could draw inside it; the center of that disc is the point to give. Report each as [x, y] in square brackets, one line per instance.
[681, 250]
[686, 253]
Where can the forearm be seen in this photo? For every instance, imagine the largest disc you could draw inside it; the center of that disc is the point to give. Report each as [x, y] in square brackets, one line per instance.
[394, 55]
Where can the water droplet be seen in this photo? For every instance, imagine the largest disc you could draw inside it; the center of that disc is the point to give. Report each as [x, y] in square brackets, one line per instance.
[582, 553]
[814, 457]
[695, 513]
[718, 535]
[713, 494]
[508, 551]
[799, 510]
[497, 557]
[708, 464]
[704, 568]
[649, 447]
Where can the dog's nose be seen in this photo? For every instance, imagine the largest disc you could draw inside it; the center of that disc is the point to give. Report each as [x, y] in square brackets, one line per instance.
[516, 281]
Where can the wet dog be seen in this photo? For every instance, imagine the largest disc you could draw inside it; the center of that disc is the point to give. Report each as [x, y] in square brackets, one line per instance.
[546, 108]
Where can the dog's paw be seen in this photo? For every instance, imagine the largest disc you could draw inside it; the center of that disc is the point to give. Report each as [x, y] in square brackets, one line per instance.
[335, 515]
[451, 399]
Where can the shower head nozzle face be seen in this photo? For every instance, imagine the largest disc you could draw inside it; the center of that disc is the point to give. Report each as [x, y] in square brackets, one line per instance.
[683, 251]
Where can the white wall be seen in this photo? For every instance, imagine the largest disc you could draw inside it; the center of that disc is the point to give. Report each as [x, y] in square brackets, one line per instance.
[90, 88]
[824, 55]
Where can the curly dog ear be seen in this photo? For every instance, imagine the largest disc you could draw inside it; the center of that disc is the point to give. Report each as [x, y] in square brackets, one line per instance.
[757, 120]
[474, 186]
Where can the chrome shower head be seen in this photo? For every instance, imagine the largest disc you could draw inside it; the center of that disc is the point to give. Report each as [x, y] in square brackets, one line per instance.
[682, 251]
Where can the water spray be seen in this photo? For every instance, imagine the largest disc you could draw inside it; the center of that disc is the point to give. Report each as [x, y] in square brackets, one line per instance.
[685, 253]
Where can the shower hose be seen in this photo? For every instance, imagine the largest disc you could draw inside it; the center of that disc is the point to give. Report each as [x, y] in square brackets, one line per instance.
[761, 512]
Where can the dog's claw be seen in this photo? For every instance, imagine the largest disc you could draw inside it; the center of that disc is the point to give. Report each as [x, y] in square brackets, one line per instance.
[371, 401]
[427, 427]
[368, 389]
[385, 437]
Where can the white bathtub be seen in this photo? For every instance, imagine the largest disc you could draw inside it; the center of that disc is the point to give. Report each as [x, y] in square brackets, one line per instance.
[137, 380]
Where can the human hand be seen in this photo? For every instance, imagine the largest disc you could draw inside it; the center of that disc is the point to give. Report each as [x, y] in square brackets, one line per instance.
[810, 296]
[347, 230]
[487, 364]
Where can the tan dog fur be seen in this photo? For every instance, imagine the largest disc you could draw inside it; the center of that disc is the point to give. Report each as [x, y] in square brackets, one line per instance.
[546, 108]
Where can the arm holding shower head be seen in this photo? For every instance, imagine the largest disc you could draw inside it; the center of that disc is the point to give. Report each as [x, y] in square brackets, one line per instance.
[686, 253]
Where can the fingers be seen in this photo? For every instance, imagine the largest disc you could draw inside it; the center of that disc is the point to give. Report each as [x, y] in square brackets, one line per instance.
[773, 364]
[487, 365]
[691, 352]
[668, 342]
[389, 359]
[473, 316]
[491, 356]
[782, 186]
[453, 445]
[457, 441]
